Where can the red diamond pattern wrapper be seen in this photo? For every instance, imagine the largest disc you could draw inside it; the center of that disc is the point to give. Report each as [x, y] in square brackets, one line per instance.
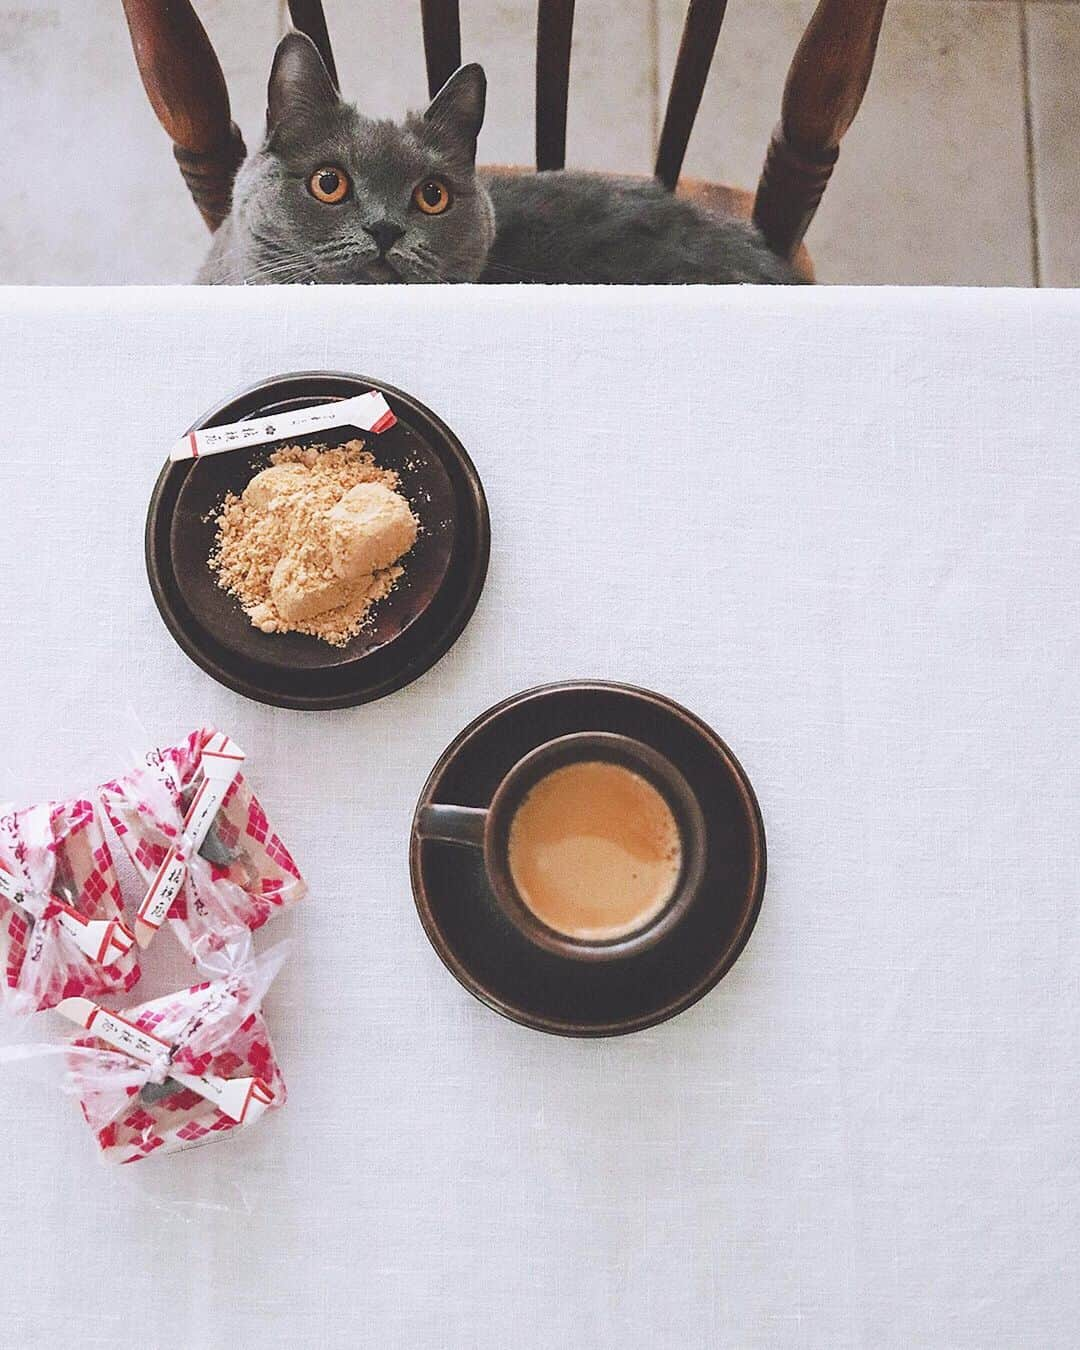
[180, 1071]
[62, 932]
[236, 877]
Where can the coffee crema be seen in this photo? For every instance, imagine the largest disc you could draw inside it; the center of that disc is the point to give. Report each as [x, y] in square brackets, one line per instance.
[594, 851]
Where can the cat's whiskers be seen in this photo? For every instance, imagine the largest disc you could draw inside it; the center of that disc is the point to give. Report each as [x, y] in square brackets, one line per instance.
[414, 260]
[428, 258]
[278, 278]
[286, 260]
[490, 268]
[276, 275]
[352, 253]
[289, 265]
[277, 255]
[336, 252]
[285, 268]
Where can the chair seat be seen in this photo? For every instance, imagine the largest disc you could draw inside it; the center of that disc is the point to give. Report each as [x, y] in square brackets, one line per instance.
[717, 198]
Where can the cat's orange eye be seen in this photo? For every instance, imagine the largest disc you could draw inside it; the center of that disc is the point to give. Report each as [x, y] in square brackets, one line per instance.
[329, 185]
[431, 197]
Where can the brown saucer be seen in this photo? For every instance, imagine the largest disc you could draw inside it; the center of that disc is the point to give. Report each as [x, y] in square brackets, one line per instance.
[537, 988]
[408, 631]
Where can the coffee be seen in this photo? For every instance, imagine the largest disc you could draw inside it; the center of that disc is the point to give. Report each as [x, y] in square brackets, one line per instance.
[595, 851]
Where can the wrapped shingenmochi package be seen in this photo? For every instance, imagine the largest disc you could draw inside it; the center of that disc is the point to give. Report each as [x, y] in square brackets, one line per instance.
[62, 930]
[201, 842]
[175, 1072]
[191, 1067]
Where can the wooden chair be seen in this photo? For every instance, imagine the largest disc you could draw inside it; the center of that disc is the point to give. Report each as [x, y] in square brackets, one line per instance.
[824, 89]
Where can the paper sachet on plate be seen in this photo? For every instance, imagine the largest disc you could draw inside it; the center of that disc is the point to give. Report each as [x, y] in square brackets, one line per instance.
[179, 1071]
[62, 931]
[201, 842]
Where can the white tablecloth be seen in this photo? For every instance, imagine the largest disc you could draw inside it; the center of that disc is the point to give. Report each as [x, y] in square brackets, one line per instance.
[840, 525]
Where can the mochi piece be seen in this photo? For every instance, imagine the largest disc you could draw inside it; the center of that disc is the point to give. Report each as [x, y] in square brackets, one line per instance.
[370, 528]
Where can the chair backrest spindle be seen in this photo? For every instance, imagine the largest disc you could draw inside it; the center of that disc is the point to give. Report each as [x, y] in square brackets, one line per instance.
[554, 35]
[183, 80]
[308, 17]
[442, 41]
[699, 36]
[825, 86]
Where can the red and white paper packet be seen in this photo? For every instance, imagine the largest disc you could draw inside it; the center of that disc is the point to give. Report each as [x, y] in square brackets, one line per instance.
[201, 842]
[366, 412]
[179, 1071]
[62, 931]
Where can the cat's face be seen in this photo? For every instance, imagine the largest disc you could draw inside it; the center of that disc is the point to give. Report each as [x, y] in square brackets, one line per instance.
[333, 196]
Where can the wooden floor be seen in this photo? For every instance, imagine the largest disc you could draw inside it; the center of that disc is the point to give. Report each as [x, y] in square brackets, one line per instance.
[963, 168]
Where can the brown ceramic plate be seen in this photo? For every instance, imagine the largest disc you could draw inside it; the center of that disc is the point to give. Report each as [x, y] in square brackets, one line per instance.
[426, 485]
[408, 631]
[496, 963]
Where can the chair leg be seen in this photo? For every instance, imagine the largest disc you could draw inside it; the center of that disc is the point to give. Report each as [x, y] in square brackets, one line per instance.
[184, 82]
[825, 86]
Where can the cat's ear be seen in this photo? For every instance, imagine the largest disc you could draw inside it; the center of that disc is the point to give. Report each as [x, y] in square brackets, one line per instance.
[300, 88]
[458, 108]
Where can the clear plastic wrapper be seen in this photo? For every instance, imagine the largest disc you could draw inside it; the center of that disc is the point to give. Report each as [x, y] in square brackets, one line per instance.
[62, 930]
[176, 1072]
[237, 877]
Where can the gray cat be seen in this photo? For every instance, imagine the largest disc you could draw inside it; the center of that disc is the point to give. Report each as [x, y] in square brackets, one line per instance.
[333, 196]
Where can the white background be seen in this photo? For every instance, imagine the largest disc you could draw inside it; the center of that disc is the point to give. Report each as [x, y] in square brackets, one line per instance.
[843, 528]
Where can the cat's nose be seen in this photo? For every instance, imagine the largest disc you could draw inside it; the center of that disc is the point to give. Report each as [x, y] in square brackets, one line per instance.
[385, 233]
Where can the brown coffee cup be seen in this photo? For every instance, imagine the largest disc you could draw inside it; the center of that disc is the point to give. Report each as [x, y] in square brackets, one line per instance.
[488, 829]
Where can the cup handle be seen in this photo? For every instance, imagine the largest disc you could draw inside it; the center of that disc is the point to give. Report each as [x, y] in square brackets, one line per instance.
[453, 824]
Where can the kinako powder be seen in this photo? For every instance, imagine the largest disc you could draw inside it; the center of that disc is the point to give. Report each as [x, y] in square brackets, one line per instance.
[314, 541]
